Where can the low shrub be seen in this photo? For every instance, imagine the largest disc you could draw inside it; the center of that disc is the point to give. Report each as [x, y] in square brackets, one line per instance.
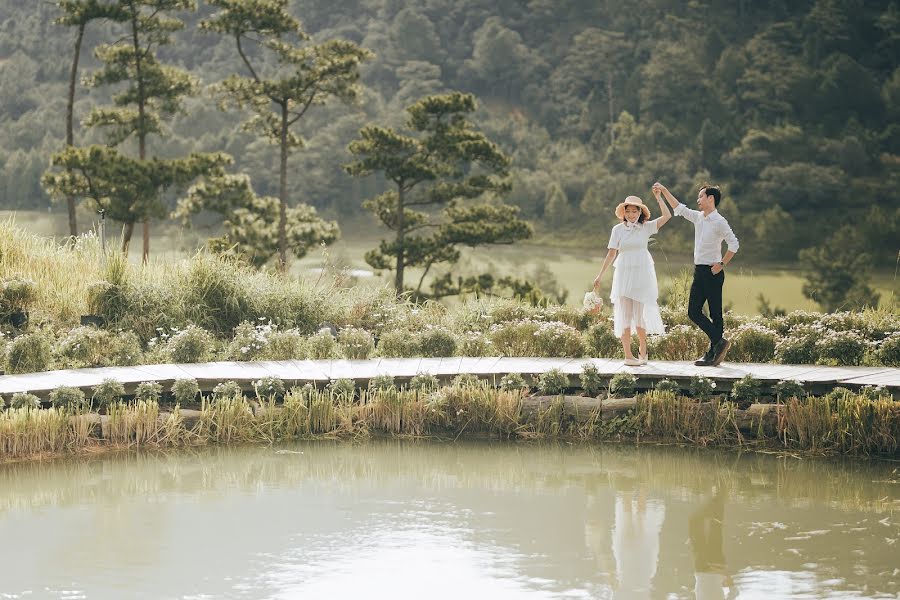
[227, 390]
[397, 343]
[601, 342]
[436, 342]
[70, 398]
[752, 342]
[874, 392]
[840, 347]
[82, 347]
[514, 338]
[798, 347]
[269, 387]
[512, 381]
[322, 345]
[289, 344]
[888, 351]
[552, 382]
[556, 339]
[667, 385]
[185, 391]
[789, 388]
[425, 382]
[355, 343]
[16, 294]
[29, 353]
[149, 391]
[344, 389]
[465, 380]
[701, 388]
[190, 345]
[382, 382]
[108, 392]
[681, 342]
[24, 400]
[250, 341]
[475, 343]
[746, 389]
[622, 385]
[591, 381]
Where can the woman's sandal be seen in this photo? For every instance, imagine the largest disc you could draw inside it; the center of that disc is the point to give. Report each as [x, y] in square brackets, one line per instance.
[643, 359]
[632, 362]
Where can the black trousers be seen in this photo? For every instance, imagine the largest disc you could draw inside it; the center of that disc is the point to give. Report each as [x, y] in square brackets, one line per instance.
[707, 289]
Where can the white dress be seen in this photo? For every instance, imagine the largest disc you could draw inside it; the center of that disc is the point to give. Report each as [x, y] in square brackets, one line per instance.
[634, 289]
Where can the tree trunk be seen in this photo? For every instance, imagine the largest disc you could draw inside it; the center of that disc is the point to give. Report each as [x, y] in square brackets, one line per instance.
[612, 116]
[282, 191]
[145, 256]
[142, 117]
[70, 129]
[401, 235]
[126, 237]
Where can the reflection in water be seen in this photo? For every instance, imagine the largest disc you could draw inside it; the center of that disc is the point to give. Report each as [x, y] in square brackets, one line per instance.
[400, 519]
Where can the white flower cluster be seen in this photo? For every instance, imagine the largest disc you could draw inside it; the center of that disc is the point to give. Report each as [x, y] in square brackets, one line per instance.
[592, 301]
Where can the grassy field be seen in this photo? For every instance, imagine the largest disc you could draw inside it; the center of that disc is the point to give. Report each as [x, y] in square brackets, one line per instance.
[569, 269]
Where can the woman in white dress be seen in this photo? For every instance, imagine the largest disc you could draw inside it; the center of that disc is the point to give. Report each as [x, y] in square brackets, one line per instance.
[634, 289]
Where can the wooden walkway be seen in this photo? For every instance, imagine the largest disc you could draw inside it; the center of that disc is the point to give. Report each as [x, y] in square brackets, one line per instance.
[817, 379]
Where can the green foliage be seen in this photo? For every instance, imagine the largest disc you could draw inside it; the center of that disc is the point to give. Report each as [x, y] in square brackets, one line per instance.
[250, 341]
[342, 388]
[425, 382]
[444, 164]
[25, 400]
[382, 382]
[397, 344]
[889, 350]
[436, 342]
[841, 347]
[108, 392]
[701, 388]
[667, 385]
[601, 341]
[29, 353]
[227, 390]
[513, 381]
[465, 380]
[552, 382]
[789, 388]
[70, 398]
[556, 339]
[591, 381]
[355, 343]
[799, 346]
[746, 389]
[752, 342]
[149, 391]
[269, 387]
[839, 272]
[185, 391]
[190, 345]
[622, 385]
[286, 345]
[322, 345]
[16, 295]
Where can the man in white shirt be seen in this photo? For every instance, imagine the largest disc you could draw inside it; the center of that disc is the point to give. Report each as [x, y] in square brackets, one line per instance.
[710, 230]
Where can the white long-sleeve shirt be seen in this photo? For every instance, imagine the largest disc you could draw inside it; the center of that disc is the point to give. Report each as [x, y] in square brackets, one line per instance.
[709, 233]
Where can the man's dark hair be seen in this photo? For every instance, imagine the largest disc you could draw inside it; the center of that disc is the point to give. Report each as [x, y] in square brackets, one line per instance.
[713, 191]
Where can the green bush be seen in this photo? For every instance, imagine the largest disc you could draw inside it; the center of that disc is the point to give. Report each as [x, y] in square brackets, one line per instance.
[514, 338]
[667, 385]
[108, 392]
[622, 385]
[798, 347]
[227, 390]
[289, 344]
[25, 400]
[789, 388]
[269, 387]
[425, 382]
[355, 343]
[124, 350]
[397, 343]
[29, 353]
[752, 342]
[680, 342]
[109, 300]
[465, 380]
[556, 339]
[701, 388]
[888, 352]
[746, 389]
[512, 381]
[82, 347]
[552, 382]
[322, 346]
[591, 380]
[250, 341]
[149, 391]
[192, 344]
[342, 388]
[436, 342]
[798, 319]
[601, 341]
[874, 392]
[67, 397]
[565, 313]
[475, 343]
[185, 391]
[841, 347]
[382, 382]
[16, 294]
[217, 294]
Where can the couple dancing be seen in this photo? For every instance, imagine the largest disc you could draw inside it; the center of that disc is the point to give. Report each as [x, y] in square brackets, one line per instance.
[634, 289]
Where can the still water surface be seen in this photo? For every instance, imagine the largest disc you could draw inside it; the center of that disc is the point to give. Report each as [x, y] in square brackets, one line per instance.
[396, 520]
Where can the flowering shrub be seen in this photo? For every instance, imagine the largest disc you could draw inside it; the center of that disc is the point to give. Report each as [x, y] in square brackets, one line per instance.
[702, 387]
[148, 390]
[841, 347]
[190, 345]
[752, 342]
[514, 338]
[424, 382]
[398, 343]
[436, 341]
[289, 344]
[564, 313]
[591, 381]
[888, 350]
[28, 353]
[227, 390]
[798, 347]
[269, 387]
[185, 391]
[343, 388]
[382, 382]
[71, 398]
[667, 385]
[512, 381]
[465, 380]
[82, 347]
[475, 343]
[681, 342]
[789, 388]
[25, 400]
[108, 391]
[321, 346]
[601, 342]
[798, 318]
[250, 341]
[622, 385]
[874, 392]
[552, 382]
[555, 338]
[355, 343]
[746, 389]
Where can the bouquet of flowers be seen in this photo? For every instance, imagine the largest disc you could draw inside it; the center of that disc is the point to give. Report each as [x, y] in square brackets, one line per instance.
[592, 303]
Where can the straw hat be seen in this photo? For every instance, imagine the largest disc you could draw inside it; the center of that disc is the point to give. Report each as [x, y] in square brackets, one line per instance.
[632, 201]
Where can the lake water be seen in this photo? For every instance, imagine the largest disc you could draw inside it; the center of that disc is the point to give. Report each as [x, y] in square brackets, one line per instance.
[391, 519]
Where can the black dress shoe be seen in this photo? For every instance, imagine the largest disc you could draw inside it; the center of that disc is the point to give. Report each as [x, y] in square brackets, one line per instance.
[705, 360]
[719, 351]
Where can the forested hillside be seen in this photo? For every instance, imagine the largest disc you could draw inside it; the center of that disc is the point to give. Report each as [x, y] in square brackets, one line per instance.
[792, 107]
